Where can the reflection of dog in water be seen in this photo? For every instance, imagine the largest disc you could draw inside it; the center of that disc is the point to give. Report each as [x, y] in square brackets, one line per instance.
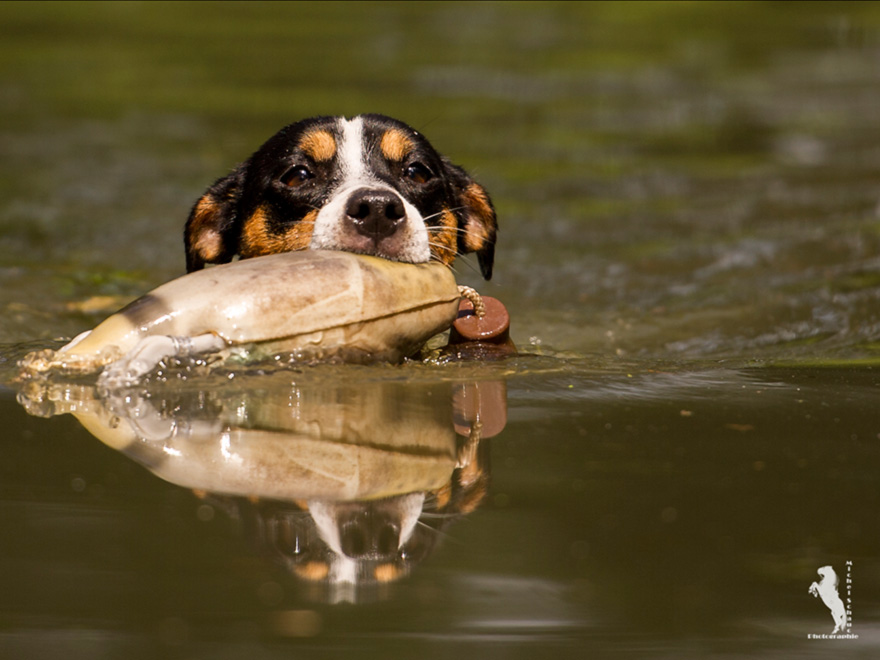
[351, 550]
[827, 589]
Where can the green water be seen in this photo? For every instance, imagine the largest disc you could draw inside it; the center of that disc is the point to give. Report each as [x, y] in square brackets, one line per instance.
[690, 252]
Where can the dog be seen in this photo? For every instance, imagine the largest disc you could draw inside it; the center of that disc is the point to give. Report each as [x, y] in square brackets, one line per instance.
[349, 548]
[827, 589]
[369, 184]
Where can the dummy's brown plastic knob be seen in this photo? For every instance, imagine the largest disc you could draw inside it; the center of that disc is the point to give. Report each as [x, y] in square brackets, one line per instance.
[484, 402]
[493, 327]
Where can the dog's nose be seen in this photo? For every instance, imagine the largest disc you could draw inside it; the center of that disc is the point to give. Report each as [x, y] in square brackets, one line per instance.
[363, 535]
[375, 213]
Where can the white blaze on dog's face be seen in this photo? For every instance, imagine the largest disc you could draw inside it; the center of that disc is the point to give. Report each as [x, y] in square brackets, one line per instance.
[370, 184]
[365, 214]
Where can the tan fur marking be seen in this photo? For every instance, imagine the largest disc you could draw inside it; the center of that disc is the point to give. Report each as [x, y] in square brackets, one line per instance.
[474, 495]
[443, 238]
[208, 244]
[476, 229]
[313, 570]
[257, 239]
[206, 207]
[318, 144]
[386, 572]
[204, 217]
[395, 144]
[204, 238]
[443, 495]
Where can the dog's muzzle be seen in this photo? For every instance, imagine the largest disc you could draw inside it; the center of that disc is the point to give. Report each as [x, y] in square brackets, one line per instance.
[376, 214]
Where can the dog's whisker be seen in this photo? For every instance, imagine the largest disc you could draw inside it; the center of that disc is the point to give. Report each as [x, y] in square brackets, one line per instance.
[277, 224]
[454, 266]
[440, 213]
[445, 247]
[430, 217]
[435, 259]
[437, 515]
[444, 211]
[468, 263]
[444, 228]
[445, 536]
[441, 249]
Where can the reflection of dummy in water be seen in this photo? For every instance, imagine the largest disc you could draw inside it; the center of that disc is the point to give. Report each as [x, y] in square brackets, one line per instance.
[351, 546]
[349, 486]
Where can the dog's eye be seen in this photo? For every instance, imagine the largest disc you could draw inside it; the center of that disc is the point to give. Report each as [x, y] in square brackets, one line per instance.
[418, 173]
[296, 176]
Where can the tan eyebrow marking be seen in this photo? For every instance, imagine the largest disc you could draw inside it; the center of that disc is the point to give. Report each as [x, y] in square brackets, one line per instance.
[319, 144]
[395, 144]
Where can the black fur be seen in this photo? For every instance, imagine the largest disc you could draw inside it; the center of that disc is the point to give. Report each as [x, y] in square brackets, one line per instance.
[262, 184]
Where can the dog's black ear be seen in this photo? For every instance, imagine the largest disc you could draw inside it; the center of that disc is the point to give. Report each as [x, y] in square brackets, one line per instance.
[211, 231]
[479, 224]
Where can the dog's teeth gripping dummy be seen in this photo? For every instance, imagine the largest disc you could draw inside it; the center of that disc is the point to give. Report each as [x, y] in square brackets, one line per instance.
[317, 304]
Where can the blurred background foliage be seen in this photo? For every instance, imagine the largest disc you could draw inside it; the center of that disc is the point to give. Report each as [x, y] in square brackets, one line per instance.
[692, 176]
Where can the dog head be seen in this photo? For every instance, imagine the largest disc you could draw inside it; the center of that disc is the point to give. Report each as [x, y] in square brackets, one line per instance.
[370, 185]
